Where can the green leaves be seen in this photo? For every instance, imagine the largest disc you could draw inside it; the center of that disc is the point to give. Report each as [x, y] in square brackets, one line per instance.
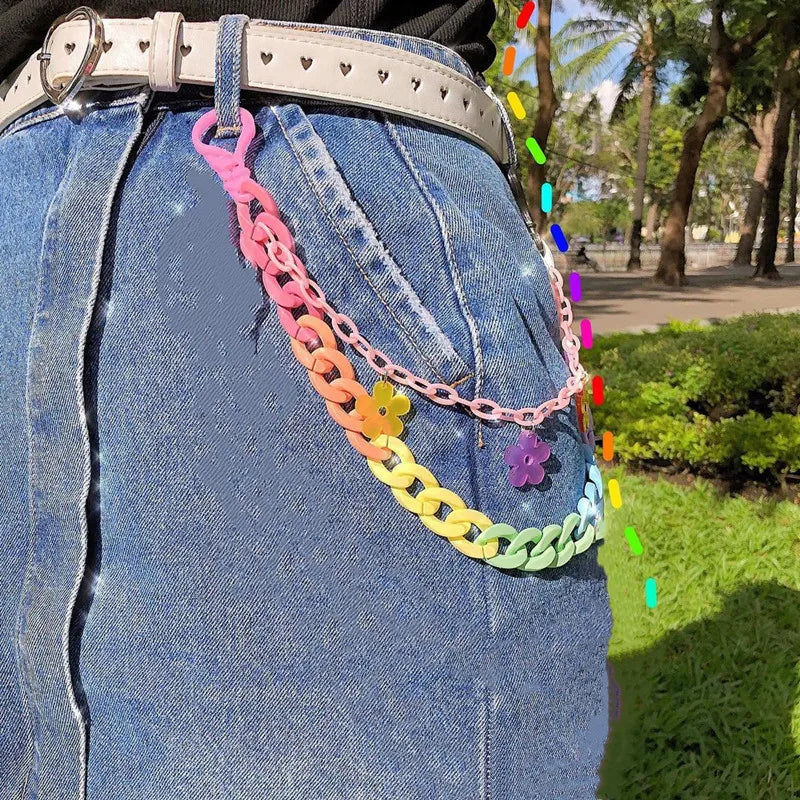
[722, 400]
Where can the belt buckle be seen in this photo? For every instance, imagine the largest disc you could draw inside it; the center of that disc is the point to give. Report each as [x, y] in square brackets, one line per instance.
[88, 63]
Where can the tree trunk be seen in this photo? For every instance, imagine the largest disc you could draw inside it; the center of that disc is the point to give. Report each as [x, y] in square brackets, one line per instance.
[647, 55]
[793, 165]
[652, 220]
[546, 111]
[724, 54]
[788, 85]
[763, 128]
[672, 264]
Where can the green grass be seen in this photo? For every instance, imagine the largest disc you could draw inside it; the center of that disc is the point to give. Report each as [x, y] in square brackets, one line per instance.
[709, 679]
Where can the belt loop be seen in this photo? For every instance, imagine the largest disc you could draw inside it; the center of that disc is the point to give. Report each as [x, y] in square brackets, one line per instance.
[228, 74]
[163, 60]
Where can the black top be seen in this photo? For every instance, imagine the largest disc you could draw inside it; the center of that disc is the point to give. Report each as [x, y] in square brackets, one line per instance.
[462, 25]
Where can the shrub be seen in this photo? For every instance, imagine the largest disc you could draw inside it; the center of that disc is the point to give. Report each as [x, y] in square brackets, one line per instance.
[721, 400]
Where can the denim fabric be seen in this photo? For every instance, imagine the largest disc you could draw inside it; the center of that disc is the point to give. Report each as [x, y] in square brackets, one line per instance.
[228, 74]
[206, 593]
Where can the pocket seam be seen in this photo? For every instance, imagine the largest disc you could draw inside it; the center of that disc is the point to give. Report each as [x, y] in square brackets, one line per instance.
[448, 247]
[463, 368]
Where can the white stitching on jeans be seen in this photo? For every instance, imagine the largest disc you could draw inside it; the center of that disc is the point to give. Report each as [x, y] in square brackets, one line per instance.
[49, 221]
[44, 115]
[448, 245]
[427, 319]
[87, 472]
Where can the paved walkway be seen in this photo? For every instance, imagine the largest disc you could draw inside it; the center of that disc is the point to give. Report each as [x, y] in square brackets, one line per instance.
[620, 301]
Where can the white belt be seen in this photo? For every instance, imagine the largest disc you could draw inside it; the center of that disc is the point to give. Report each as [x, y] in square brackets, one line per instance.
[166, 52]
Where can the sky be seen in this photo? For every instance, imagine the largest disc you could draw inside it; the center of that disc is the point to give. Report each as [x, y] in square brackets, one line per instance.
[571, 9]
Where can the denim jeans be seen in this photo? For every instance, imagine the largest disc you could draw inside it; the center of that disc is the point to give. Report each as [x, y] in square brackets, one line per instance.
[205, 593]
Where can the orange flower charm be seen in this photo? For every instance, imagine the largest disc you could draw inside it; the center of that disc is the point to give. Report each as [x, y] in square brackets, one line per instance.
[382, 410]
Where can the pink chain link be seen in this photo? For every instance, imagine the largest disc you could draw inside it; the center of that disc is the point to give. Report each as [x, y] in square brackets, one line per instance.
[266, 242]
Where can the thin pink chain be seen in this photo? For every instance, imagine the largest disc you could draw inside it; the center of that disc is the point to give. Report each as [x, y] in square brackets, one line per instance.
[266, 242]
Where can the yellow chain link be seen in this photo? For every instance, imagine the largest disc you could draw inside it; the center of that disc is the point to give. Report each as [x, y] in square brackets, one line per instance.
[427, 503]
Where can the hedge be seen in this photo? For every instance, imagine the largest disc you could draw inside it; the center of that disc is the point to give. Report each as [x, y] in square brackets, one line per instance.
[720, 400]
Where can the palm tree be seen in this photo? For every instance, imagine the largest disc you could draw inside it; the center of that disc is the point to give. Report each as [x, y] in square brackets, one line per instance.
[646, 33]
[547, 98]
[548, 101]
[543, 59]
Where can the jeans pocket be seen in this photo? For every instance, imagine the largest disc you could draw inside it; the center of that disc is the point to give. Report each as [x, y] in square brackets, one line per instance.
[377, 261]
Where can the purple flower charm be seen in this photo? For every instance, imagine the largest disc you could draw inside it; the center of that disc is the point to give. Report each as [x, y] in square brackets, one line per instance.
[525, 459]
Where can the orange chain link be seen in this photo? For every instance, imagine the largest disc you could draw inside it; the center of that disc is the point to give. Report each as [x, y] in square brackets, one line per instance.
[338, 392]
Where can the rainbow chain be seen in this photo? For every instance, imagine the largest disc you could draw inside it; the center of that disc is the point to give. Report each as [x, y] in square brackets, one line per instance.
[267, 244]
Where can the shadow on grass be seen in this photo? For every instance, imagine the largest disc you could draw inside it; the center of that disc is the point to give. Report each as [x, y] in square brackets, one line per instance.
[707, 712]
